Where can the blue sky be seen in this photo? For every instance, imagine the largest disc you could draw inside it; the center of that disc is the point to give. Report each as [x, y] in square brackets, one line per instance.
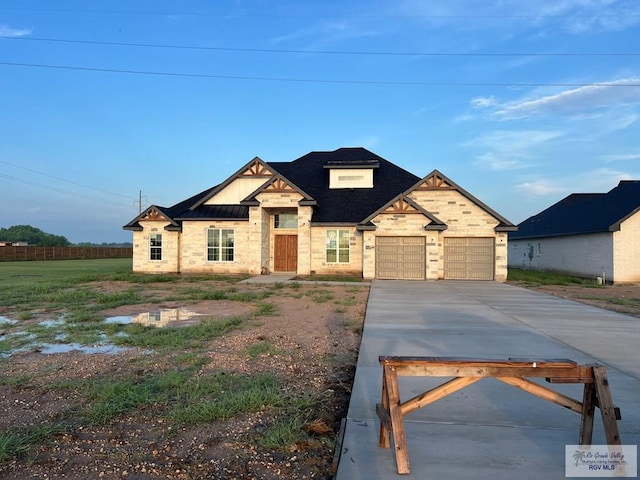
[520, 103]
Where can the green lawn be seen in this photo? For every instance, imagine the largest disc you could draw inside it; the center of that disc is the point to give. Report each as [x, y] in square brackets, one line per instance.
[45, 271]
[535, 277]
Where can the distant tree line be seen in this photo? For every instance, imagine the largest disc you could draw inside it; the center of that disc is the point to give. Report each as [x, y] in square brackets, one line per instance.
[33, 236]
[105, 244]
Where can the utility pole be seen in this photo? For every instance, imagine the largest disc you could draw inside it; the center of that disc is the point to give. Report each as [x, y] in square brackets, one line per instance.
[139, 202]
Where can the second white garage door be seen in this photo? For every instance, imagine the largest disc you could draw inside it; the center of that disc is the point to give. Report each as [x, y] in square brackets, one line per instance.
[401, 258]
[469, 258]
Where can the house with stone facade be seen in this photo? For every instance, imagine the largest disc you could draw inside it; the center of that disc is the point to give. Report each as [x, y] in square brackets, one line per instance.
[347, 211]
[587, 234]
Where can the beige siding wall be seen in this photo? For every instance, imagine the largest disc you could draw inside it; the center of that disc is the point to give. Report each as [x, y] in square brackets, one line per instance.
[237, 191]
[319, 264]
[626, 251]
[194, 248]
[141, 249]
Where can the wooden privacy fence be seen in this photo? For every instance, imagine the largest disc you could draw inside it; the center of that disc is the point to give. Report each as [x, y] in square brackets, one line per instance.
[512, 372]
[21, 253]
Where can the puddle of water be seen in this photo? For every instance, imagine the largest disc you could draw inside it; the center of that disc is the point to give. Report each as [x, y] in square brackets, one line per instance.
[156, 318]
[7, 321]
[50, 348]
[53, 323]
[120, 320]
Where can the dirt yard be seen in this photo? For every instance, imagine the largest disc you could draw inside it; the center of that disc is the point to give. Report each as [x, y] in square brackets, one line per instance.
[309, 338]
[619, 298]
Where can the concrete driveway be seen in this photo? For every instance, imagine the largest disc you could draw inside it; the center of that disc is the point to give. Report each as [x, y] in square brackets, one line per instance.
[488, 430]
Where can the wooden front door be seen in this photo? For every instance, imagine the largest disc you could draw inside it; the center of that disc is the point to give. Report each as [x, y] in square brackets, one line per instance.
[286, 253]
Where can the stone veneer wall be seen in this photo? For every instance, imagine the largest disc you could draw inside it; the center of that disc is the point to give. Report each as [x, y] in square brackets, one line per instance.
[401, 225]
[318, 254]
[170, 248]
[194, 248]
[464, 219]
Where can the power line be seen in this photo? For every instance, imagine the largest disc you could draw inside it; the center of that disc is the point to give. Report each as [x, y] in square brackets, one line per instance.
[327, 52]
[64, 180]
[324, 81]
[318, 16]
[60, 190]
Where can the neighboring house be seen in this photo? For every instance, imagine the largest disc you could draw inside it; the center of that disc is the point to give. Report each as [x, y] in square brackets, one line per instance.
[588, 234]
[348, 211]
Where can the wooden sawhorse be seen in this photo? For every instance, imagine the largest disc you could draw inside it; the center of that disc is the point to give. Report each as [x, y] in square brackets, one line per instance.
[512, 371]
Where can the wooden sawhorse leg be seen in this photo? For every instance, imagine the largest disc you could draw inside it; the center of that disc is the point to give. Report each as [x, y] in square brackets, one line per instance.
[391, 419]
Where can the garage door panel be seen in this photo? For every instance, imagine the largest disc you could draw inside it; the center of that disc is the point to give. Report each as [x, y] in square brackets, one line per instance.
[401, 258]
[469, 258]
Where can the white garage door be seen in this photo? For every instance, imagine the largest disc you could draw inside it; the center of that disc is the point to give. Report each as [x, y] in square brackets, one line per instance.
[401, 258]
[469, 258]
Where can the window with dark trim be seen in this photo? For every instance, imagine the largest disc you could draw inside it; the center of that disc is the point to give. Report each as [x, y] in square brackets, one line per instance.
[155, 246]
[220, 245]
[285, 220]
[337, 246]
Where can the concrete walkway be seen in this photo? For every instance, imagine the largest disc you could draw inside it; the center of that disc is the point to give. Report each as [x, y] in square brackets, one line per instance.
[488, 430]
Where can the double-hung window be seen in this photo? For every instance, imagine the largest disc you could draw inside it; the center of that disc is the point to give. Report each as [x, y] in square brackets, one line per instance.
[155, 246]
[220, 245]
[337, 246]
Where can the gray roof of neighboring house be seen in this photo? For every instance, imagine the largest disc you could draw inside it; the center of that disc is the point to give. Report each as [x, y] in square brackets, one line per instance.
[582, 213]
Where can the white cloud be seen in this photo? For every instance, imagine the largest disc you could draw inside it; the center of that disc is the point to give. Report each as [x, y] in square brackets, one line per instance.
[577, 17]
[572, 101]
[541, 188]
[510, 150]
[598, 180]
[513, 140]
[496, 162]
[326, 32]
[625, 157]
[7, 31]
[484, 102]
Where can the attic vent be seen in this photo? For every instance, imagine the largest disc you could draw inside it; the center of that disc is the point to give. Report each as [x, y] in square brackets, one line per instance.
[351, 178]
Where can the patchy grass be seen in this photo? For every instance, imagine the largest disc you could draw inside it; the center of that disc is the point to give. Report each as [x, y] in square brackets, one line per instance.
[224, 396]
[632, 302]
[18, 441]
[265, 347]
[264, 309]
[330, 278]
[194, 336]
[320, 295]
[180, 383]
[534, 277]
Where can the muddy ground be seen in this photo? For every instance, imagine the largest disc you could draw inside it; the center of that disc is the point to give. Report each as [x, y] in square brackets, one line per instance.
[313, 336]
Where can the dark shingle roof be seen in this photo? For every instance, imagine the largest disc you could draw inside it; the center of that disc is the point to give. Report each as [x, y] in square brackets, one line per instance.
[215, 212]
[582, 213]
[350, 205]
